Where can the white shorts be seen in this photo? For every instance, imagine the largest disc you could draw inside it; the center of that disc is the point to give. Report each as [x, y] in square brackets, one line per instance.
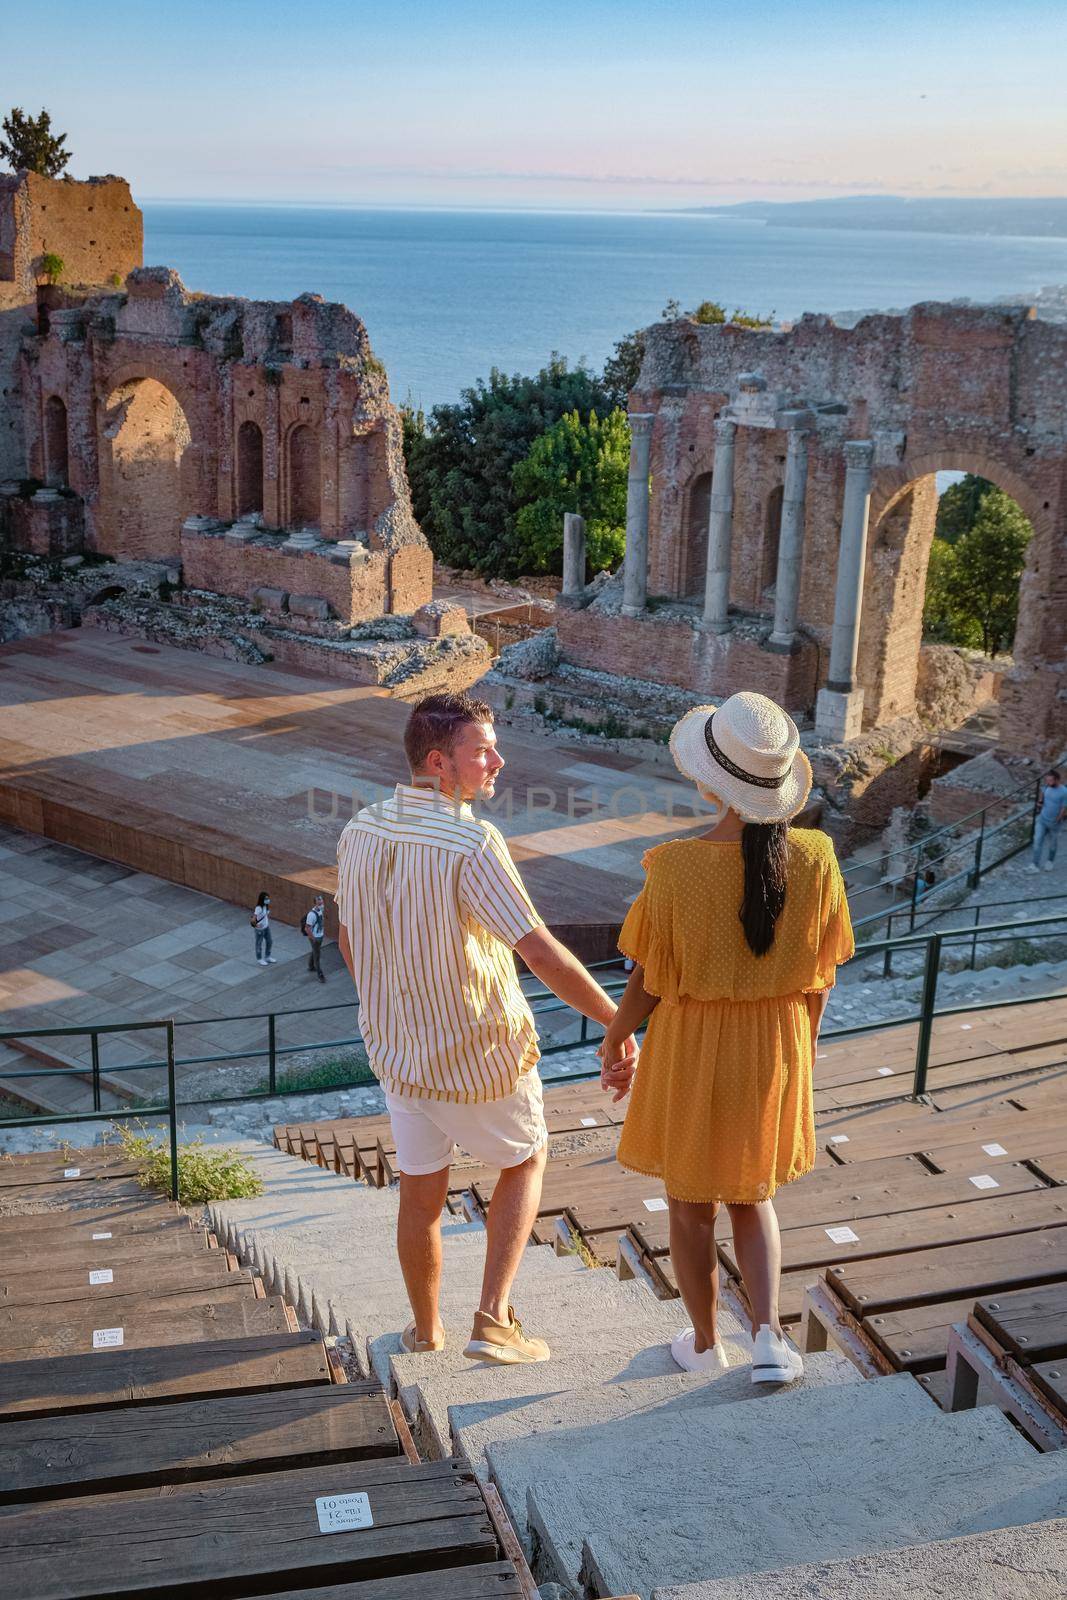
[500, 1133]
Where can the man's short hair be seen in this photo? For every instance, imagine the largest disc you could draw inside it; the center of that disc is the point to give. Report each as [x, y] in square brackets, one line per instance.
[1053, 772]
[435, 723]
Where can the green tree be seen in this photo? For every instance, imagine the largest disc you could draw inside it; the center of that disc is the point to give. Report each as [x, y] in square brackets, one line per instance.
[460, 464]
[942, 620]
[972, 584]
[575, 466]
[959, 506]
[30, 143]
[989, 563]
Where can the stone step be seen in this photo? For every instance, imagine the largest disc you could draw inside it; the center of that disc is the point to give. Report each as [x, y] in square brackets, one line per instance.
[596, 1401]
[590, 1311]
[1026, 1563]
[838, 1471]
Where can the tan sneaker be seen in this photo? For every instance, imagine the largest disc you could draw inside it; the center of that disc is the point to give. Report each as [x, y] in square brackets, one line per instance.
[503, 1342]
[419, 1347]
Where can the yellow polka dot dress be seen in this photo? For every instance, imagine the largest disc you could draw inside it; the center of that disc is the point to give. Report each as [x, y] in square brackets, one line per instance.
[721, 1107]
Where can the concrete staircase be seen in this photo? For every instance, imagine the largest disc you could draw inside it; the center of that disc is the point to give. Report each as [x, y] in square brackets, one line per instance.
[625, 1475]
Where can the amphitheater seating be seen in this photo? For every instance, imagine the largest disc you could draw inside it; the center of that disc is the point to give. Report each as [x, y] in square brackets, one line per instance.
[916, 1209]
[165, 1426]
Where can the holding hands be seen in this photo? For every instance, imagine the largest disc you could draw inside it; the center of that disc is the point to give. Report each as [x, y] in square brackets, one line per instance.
[618, 1062]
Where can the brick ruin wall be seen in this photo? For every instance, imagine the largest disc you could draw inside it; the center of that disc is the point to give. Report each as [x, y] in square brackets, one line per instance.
[144, 405]
[95, 228]
[939, 388]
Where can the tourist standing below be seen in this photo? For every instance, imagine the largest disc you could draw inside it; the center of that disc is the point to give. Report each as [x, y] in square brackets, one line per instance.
[431, 908]
[736, 934]
[315, 928]
[261, 924]
[1051, 809]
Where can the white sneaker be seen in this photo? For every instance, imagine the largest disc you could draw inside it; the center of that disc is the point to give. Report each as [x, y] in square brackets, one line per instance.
[270, 961]
[691, 1360]
[260, 961]
[1050, 866]
[1033, 867]
[774, 1359]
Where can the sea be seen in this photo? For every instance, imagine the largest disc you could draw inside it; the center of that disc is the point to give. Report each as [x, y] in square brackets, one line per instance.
[448, 295]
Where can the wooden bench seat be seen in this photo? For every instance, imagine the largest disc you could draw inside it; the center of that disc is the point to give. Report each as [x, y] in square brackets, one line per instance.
[27, 1292]
[160, 1373]
[50, 1458]
[223, 1534]
[142, 1214]
[951, 1272]
[221, 1313]
[1030, 1324]
[493, 1580]
[893, 1235]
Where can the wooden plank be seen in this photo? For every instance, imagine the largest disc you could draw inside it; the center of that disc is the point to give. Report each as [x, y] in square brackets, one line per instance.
[173, 1244]
[227, 1314]
[1051, 1378]
[493, 1580]
[159, 1374]
[50, 1167]
[131, 1216]
[923, 1129]
[220, 1536]
[916, 1230]
[952, 1272]
[916, 1338]
[22, 1292]
[70, 1194]
[1052, 1165]
[1030, 1324]
[135, 1447]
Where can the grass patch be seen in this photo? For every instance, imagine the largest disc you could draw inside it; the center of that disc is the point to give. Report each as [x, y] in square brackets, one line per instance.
[204, 1172]
[339, 1072]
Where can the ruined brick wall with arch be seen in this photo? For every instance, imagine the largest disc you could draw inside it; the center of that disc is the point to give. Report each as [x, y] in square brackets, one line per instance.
[186, 413]
[940, 388]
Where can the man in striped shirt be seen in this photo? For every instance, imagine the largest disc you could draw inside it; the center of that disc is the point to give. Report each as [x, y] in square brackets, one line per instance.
[431, 908]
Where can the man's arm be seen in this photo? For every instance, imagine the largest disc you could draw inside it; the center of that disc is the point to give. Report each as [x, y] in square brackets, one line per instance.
[345, 949]
[561, 971]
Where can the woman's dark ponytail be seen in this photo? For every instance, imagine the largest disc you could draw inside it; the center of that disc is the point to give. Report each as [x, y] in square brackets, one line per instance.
[764, 850]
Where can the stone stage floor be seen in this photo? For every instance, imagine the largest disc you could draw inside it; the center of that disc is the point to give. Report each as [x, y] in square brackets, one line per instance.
[229, 778]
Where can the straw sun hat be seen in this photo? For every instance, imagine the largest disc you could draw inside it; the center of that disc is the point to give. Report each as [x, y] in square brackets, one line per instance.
[747, 752]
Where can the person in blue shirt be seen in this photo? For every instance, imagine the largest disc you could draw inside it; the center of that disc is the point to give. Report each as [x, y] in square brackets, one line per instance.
[1051, 810]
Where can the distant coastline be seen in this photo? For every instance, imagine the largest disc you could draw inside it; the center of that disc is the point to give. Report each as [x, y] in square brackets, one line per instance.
[1020, 219]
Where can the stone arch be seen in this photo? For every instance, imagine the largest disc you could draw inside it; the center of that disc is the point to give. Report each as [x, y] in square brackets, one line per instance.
[772, 533]
[695, 551]
[144, 437]
[305, 477]
[56, 446]
[249, 468]
[903, 517]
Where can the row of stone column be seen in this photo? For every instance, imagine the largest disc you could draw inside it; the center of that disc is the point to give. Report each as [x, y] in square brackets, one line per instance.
[859, 458]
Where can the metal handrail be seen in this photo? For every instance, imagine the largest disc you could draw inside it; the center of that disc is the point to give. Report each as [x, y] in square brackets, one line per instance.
[169, 1109]
[928, 1013]
[948, 827]
[971, 875]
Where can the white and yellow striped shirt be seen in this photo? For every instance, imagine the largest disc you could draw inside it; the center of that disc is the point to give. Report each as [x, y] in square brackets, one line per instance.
[433, 906]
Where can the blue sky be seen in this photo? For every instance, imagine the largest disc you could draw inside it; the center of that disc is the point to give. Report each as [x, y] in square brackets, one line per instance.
[584, 104]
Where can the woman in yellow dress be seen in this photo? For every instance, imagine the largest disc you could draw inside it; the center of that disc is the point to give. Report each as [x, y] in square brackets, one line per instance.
[735, 936]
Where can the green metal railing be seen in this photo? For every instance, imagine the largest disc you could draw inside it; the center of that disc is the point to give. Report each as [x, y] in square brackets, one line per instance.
[169, 1109]
[934, 944]
[969, 877]
[947, 831]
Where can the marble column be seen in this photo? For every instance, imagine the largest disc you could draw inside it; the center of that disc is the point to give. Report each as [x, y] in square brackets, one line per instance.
[635, 570]
[573, 553]
[839, 710]
[791, 541]
[720, 530]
